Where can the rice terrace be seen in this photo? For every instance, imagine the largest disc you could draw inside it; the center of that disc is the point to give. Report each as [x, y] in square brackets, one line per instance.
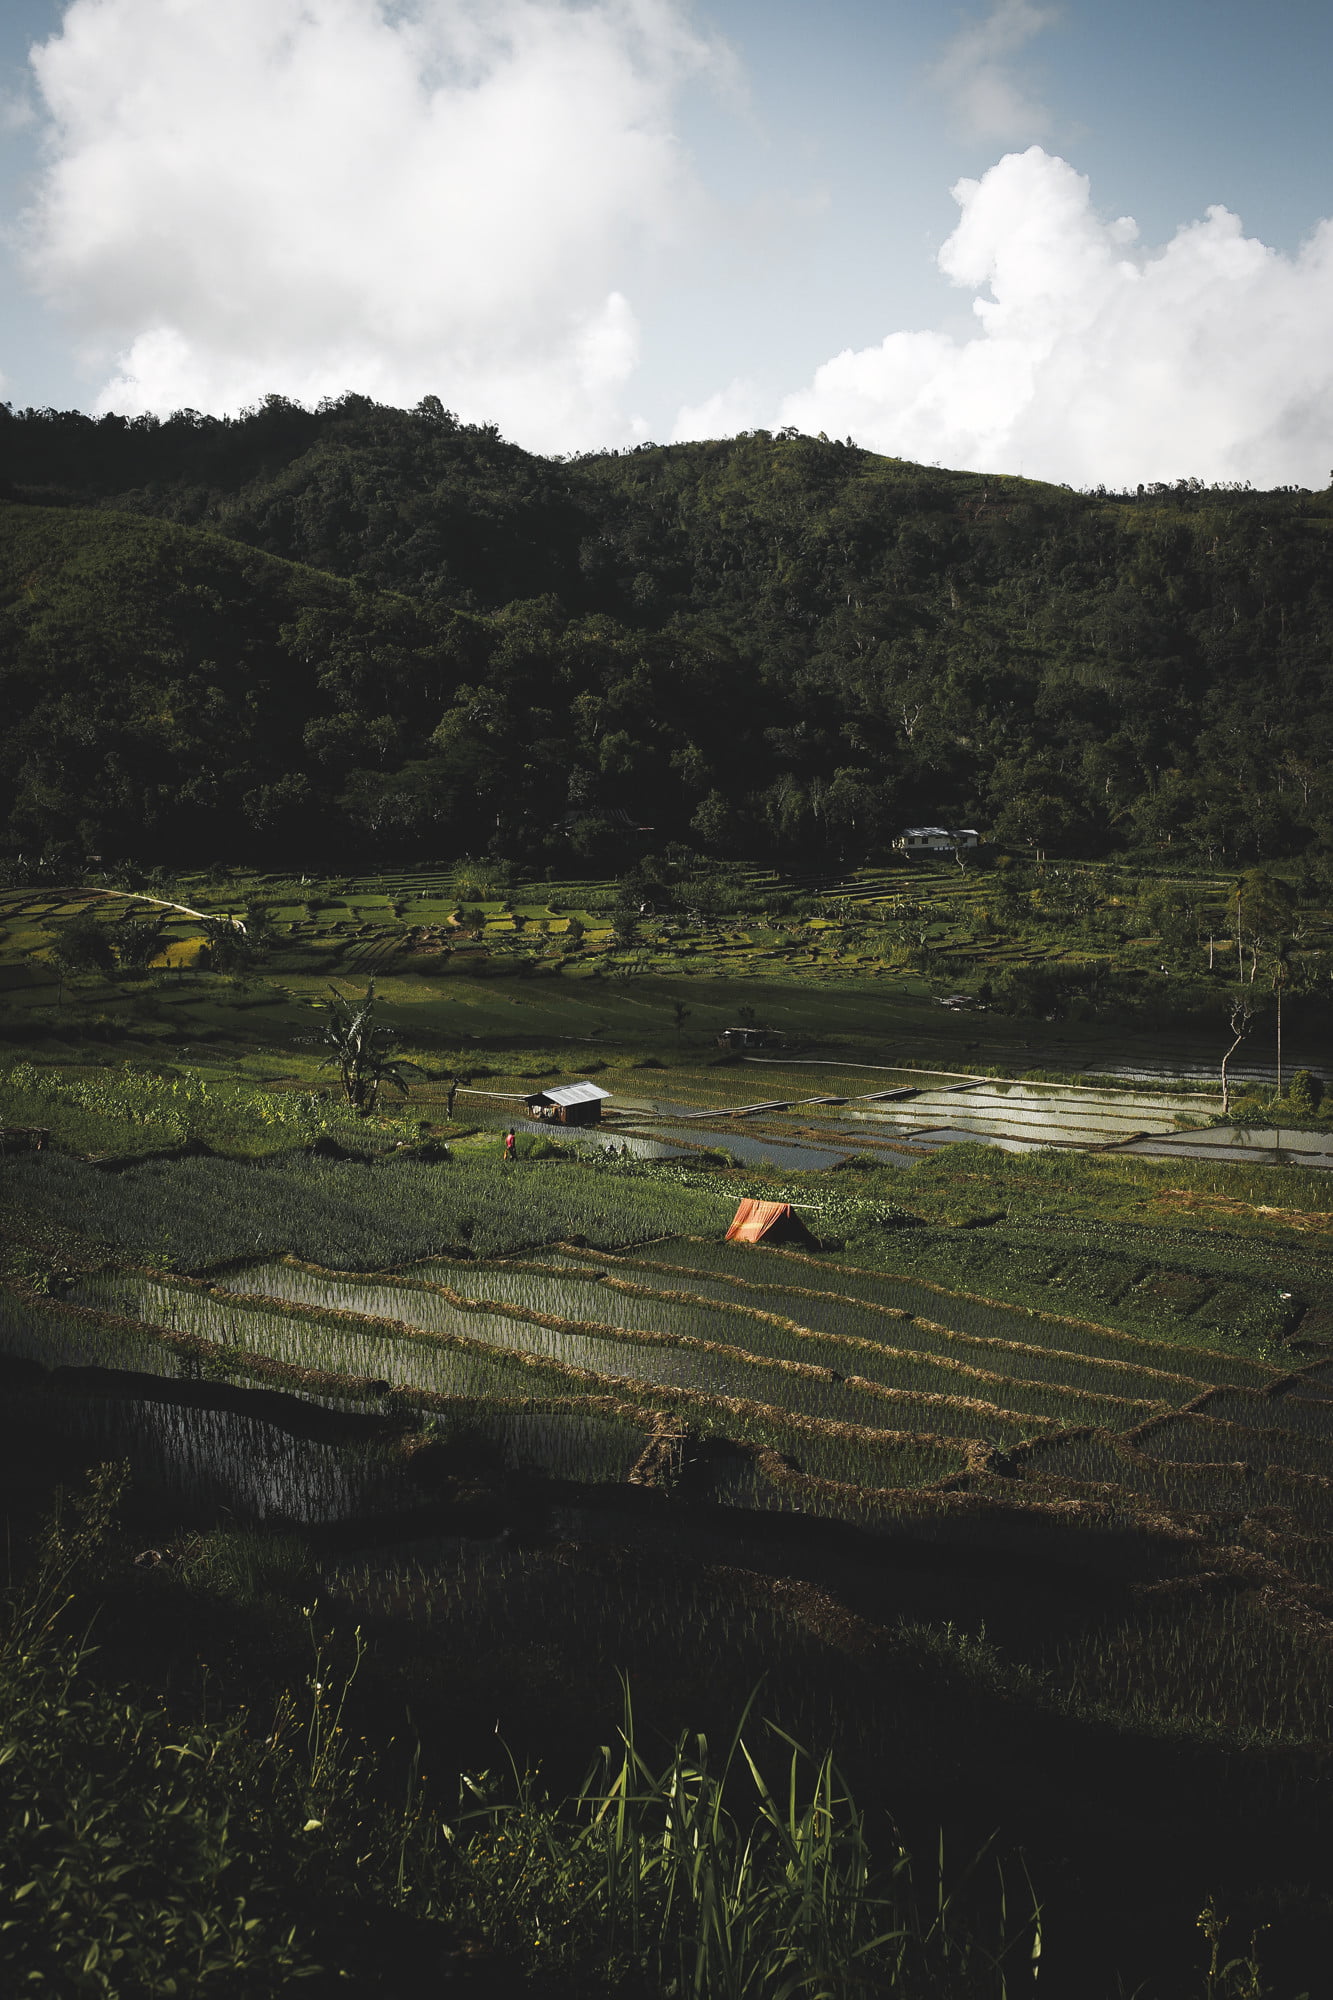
[1001, 1470]
[666, 1222]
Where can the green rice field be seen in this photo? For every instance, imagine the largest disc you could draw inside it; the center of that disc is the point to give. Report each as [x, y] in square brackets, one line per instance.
[644, 1452]
[809, 1382]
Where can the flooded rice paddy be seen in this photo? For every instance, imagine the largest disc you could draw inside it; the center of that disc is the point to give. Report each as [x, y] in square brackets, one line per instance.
[213, 1461]
[1015, 1117]
[807, 1384]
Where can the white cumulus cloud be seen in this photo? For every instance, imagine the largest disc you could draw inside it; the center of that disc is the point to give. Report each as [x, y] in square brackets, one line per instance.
[975, 72]
[1096, 360]
[436, 197]
[738, 407]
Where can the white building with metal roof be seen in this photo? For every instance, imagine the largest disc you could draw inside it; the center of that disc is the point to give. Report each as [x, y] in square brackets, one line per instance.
[568, 1103]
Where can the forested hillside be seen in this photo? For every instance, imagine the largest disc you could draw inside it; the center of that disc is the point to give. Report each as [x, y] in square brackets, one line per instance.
[364, 631]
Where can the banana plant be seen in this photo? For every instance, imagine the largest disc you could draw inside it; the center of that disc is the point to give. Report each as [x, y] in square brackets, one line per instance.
[360, 1051]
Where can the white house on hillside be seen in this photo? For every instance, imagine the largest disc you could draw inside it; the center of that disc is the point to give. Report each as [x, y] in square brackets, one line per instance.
[936, 839]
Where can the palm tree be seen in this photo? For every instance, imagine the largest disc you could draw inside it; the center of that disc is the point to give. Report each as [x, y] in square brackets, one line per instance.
[138, 940]
[360, 1051]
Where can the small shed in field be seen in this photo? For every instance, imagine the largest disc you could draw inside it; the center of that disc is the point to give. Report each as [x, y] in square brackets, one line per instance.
[937, 839]
[568, 1104]
[741, 1039]
[767, 1222]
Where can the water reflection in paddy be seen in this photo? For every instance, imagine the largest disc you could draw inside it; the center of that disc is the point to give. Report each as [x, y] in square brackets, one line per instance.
[205, 1460]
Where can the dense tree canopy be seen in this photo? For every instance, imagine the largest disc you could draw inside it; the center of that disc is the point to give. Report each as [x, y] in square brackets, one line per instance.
[381, 632]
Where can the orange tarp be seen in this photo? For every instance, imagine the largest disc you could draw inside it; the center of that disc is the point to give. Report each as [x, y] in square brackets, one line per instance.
[754, 1220]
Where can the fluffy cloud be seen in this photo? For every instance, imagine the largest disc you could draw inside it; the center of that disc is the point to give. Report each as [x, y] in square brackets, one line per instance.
[738, 407]
[316, 195]
[975, 73]
[1095, 360]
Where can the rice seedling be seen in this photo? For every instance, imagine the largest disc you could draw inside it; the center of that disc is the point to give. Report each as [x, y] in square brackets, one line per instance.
[1208, 1663]
[37, 1330]
[1185, 1486]
[200, 1213]
[567, 1444]
[877, 1335]
[974, 1313]
[1091, 1457]
[1287, 1411]
[814, 1393]
[600, 1346]
[1203, 1439]
[437, 1360]
[844, 1342]
[1224, 1487]
[206, 1460]
[328, 1350]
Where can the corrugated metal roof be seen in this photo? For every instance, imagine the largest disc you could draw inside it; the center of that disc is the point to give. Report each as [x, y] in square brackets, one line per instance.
[572, 1093]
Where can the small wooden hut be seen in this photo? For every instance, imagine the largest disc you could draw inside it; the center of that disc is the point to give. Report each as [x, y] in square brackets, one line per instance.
[741, 1039]
[767, 1222]
[568, 1104]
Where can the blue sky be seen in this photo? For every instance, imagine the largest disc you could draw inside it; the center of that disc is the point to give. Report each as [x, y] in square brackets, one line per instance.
[596, 221]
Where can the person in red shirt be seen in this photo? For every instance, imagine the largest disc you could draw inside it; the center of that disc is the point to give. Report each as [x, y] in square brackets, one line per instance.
[510, 1144]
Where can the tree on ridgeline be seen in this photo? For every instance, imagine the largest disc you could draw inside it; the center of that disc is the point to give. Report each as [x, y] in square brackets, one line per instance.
[777, 650]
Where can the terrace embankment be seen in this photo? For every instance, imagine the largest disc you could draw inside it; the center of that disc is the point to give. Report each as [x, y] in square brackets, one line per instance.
[938, 1519]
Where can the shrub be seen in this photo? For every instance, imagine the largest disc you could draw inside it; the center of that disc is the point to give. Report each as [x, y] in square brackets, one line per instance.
[129, 1110]
[1306, 1093]
[83, 946]
[138, 940]
[127, 1865]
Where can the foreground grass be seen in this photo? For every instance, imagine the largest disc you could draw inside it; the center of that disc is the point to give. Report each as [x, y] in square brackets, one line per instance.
[148, 1846]
[143, 1853]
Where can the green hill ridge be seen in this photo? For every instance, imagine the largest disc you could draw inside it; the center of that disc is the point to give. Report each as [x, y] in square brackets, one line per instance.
[367, 632]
